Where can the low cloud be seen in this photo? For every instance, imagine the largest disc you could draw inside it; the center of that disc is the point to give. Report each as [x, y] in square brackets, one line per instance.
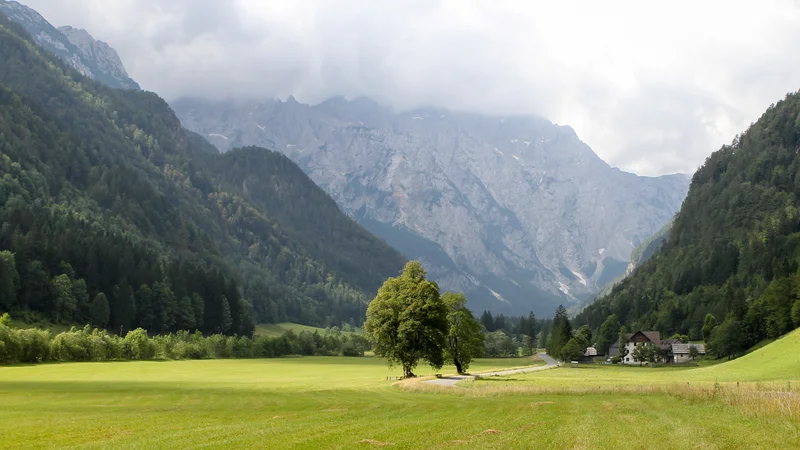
[652, 88]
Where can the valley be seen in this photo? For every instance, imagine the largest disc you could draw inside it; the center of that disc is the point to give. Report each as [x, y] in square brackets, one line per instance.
[411, 253]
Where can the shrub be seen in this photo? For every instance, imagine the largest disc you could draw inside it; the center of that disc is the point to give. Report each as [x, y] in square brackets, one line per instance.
[137, 345]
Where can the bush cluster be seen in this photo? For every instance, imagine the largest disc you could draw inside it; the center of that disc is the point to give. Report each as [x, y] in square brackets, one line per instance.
[86, 344]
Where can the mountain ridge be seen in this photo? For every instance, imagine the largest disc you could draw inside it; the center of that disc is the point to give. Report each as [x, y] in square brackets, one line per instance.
[92, 58]
[733, 249]
[105, 193]
[454, 181]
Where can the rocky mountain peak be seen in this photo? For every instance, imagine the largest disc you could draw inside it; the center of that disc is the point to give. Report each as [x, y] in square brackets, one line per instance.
[92, 58]
[517, 212]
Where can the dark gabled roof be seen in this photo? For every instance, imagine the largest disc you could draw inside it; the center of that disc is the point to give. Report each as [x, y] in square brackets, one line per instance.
[652, 336]
[666, 344]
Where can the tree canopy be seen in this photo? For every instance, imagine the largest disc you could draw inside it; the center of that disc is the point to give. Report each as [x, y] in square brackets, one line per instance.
[465, 339]
[408, 320]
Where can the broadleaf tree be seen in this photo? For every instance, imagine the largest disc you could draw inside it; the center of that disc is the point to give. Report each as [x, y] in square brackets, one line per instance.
[407, 320]
[465, 338]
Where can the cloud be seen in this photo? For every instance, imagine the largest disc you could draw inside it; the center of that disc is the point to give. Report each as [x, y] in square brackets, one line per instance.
[653, 88]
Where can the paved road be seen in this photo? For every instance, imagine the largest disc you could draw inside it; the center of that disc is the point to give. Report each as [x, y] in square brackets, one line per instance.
[451, 381]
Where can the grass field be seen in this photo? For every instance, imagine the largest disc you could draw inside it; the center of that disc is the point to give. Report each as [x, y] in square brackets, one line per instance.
[337, 402]
[277, 329]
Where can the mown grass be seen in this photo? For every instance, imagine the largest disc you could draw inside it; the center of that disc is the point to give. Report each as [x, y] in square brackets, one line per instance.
[342, 402]
[277, 329]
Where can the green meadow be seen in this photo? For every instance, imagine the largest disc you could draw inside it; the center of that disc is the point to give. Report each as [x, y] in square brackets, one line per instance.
[339, 402]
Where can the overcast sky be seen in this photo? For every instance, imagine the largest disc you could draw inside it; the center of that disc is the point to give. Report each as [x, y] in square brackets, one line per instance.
[653, 89]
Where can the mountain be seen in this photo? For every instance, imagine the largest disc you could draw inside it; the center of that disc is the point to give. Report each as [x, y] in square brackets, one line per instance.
[104, 192]
[515, 211]
[94, 59]
[734, 248]
[639, 256]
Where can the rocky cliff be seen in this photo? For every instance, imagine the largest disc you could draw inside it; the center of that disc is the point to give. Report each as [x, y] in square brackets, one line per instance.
[94, 59]
[517, 212]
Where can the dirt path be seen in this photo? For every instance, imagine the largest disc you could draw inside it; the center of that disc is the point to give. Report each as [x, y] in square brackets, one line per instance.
[452, 381]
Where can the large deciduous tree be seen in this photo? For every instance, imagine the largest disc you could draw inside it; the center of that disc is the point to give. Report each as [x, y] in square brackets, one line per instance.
[609, 333]
[407, 320]
[646, 352]
[573, 349]
[709, 324]
[727, 339]
[465, 335]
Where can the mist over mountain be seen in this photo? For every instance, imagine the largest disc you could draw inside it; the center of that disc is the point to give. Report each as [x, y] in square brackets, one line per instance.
[517, 212]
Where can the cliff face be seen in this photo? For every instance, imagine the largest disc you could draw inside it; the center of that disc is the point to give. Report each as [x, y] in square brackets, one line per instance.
[515, 211]
[94, 59]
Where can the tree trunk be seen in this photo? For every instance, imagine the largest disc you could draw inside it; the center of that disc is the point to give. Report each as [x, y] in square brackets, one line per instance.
[407, 373]
[459, 367]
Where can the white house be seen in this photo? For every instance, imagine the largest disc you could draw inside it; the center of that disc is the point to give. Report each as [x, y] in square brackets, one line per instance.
[671, 350]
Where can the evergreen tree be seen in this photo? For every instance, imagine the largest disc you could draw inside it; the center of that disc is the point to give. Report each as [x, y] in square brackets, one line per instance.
[99, 312]
[9, 281]
[225, 320]
[145, 309]
[561, 332]
[123, 309]
[531, 330]
[197, 308]
[65, 303]
[184, 315]
[35, 288]
[796, 314]
[81, 295]
[487, 321]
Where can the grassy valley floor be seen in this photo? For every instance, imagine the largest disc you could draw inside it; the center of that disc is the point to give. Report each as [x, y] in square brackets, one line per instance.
[337, 402]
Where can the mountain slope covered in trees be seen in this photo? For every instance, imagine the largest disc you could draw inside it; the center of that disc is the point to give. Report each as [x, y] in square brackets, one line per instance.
[111, 213]
[734, 248]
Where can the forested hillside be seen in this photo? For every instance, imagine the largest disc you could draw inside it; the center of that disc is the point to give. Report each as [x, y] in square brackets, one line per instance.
[734, 248]
[111, 213]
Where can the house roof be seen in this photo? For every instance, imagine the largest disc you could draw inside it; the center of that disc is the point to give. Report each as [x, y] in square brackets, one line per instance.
[590, 351]
[652, 336]
[666, 344]
[683, 349]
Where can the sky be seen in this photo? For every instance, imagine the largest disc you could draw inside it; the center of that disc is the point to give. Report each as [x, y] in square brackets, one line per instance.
[653, 88]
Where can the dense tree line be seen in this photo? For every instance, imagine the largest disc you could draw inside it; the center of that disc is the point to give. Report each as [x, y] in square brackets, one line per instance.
[505, 336]
[112, 214]
[33, 345]
[733, 251]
